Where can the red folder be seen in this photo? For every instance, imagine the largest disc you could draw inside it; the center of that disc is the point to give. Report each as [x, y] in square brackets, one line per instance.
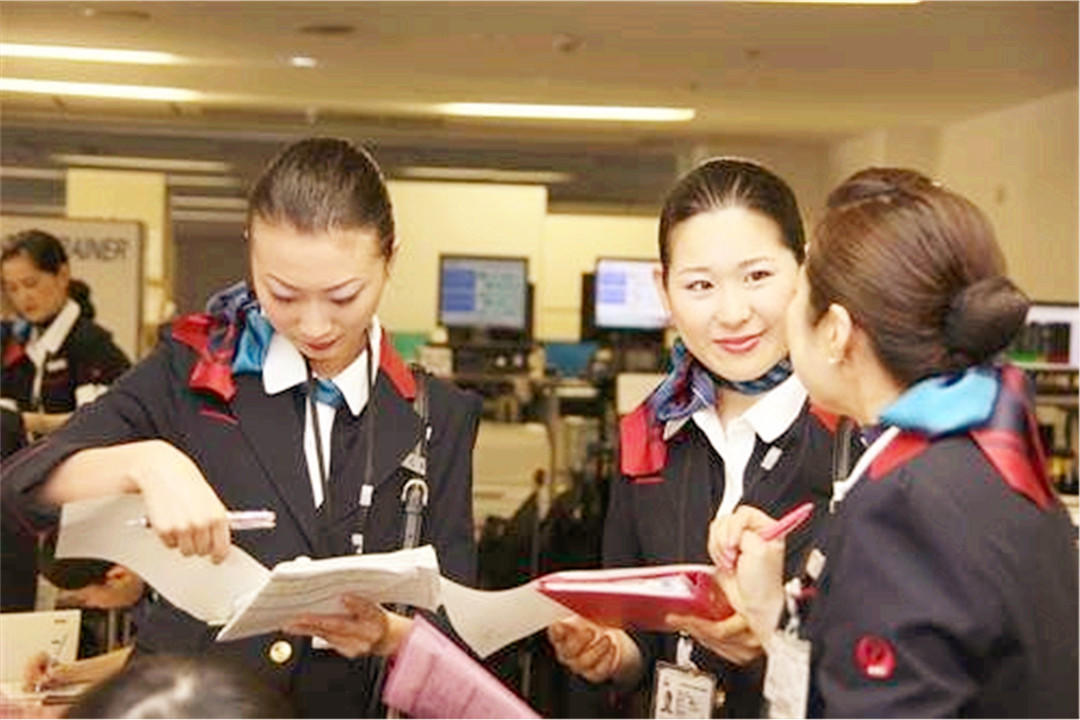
[639, 597]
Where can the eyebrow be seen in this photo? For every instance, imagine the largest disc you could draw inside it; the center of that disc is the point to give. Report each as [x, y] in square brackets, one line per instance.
[744, 264]
[333, 288]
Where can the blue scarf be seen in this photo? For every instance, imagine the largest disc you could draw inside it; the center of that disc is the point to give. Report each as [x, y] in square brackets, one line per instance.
[690, 386]
[237, 311]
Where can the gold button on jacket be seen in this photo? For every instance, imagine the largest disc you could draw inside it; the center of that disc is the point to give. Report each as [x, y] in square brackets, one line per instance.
[280, 651]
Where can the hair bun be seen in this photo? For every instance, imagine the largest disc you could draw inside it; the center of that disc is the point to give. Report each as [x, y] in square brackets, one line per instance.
[983, 318]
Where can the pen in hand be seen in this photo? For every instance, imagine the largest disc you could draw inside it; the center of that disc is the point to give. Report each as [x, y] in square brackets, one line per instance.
[786, 524]
[238, 520]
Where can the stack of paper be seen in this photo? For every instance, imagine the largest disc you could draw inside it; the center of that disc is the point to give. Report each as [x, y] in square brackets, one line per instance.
[434, 678]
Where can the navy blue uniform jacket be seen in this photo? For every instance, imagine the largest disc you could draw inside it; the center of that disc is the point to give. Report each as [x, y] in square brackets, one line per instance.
[945, 593]
[658, 518]
[248, 448]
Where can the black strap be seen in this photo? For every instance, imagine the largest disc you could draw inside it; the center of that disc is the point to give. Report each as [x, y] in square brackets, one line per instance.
[841, 454]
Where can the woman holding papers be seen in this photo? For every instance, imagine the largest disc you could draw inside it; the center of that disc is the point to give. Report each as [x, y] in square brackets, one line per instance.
[730, 425]
[946, 584]
[286, 396]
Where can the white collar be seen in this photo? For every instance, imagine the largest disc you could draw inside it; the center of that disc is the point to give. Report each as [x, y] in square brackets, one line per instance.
[770, 416]
[285, 367]
[54, 335]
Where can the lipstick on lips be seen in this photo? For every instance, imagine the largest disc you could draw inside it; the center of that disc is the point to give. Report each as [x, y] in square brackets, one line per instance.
[739, 344]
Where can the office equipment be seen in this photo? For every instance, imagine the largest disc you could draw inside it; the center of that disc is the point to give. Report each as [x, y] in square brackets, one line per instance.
[1051, 336]
[625, 296]
[484, 298]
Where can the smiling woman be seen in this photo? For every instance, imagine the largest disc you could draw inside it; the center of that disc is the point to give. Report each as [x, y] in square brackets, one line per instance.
[286, 395]
[730, 425]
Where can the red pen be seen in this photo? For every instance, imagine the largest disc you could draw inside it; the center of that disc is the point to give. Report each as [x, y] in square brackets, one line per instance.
[778, 529]
[788, 522]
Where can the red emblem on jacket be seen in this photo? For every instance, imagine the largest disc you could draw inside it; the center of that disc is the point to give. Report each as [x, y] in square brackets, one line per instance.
[874, 657]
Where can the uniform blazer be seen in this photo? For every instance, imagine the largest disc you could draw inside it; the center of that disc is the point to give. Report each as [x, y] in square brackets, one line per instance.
[248, 448]
[945, 593]
[88, 356]
[657, 519]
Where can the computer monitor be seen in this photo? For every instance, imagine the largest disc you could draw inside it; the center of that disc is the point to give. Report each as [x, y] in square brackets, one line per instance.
[1051, 335]
[626, 297]
[484, 295]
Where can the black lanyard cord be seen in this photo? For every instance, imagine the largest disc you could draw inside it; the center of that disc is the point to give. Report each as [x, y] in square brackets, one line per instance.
[324, 476]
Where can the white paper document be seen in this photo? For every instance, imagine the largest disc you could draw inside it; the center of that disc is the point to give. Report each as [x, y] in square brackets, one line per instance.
[109, 528]
[316, 586]
[491, 619]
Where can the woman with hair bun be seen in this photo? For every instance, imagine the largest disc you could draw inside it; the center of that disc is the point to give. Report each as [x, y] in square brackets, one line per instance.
[55, 357]
[946, 583]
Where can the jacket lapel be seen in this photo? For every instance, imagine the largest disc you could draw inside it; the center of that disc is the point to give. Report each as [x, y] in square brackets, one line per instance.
[275, 433]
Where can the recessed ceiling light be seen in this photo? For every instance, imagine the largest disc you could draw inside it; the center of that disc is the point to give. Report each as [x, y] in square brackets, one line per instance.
[568, 112]
[102, 90]
[142, 163]
[88, 54]
[303, 61]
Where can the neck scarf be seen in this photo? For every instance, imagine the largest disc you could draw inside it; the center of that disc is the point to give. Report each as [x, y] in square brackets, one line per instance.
[690, 386]
[993, 405]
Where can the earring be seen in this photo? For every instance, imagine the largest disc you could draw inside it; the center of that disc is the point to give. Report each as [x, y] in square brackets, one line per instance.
[833, 360]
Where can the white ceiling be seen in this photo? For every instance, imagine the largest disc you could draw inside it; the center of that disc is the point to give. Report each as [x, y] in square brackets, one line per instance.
[804, 73]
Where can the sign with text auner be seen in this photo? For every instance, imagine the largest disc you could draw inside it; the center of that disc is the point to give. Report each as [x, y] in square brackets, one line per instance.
[107, 256]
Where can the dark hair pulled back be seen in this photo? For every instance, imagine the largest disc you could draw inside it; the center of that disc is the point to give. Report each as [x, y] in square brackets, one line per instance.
[731, 182]
[321, 184]
[918, 268]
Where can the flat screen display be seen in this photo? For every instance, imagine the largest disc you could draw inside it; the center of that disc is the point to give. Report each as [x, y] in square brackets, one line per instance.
[626, 296]
[483, 292]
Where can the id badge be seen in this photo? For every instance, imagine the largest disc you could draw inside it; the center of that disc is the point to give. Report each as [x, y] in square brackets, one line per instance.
[787, 676]
[682, 692]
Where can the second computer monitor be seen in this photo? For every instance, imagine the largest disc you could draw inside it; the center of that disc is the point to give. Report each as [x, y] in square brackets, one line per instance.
[626, 297]
[484, 294]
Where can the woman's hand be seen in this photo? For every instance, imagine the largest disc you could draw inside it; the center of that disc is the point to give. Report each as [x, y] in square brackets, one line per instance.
[365, 628]
[37, 675]
[749, 570]
[731, 638]
[594, 652]
[42, 423]
[182, 508]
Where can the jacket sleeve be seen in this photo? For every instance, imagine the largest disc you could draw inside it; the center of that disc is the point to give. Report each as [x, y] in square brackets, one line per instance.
[906, 616]
[99, 361]
[138, 407]
[455, 419]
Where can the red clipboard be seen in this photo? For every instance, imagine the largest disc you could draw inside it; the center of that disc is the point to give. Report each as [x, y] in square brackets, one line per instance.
[639, 597]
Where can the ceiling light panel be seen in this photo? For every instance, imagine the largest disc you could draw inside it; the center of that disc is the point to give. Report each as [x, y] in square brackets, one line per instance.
[537, 177]
[567, 112]
[86, 54]
[142, 163]
[100, 90]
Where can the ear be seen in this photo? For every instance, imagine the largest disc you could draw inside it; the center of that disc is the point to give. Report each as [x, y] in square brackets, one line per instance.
[839, 332]
[117, 575]
[64, 273]
[661, 290]
[392, 257]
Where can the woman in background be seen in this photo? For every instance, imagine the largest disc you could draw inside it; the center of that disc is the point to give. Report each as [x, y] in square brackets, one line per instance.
[946, 584]
[55, 357]
[730, 425]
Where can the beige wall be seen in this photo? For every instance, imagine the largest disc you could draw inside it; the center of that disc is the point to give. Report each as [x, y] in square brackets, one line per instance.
[454, 218]
[570, 246]
[1020, 166]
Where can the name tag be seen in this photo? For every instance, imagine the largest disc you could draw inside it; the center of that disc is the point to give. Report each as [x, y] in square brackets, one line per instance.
[787, 675]
[56, 365]
[683, 692]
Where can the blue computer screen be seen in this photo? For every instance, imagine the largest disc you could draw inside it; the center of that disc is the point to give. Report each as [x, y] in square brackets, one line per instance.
[483, 292]
[626, 295]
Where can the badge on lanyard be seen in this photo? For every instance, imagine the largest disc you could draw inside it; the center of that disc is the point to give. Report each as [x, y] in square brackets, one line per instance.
[787, 672]
[681, 690]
